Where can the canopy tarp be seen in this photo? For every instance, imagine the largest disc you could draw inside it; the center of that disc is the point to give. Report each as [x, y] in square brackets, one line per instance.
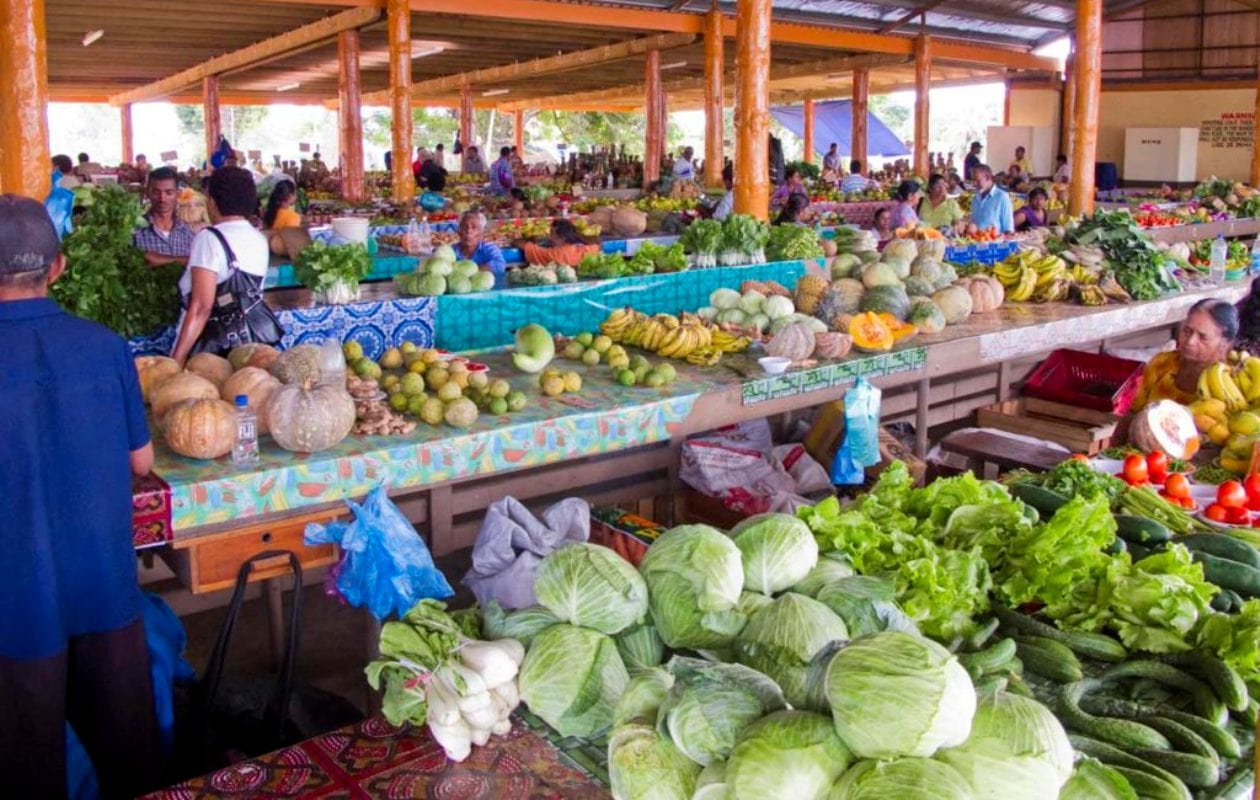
[833, 122]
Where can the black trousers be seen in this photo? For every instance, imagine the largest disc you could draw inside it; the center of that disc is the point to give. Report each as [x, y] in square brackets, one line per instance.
[100, 685]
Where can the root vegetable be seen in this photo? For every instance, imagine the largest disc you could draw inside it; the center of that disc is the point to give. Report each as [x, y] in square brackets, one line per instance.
[456, 738]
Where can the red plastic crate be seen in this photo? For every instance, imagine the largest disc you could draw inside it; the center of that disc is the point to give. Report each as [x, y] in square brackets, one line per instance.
[1087, 380]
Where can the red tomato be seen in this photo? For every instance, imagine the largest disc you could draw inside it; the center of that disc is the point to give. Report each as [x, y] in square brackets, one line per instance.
[1252, 485]
[1157, 464]
[1237, 516]
[1176, 485]
[1231, 494]
[1188, 503]
[1215, 512]
[1135, 470]
[1080, 457]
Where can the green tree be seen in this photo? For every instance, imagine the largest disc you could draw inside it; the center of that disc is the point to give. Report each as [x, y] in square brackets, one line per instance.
[237, 123]
[897, 116]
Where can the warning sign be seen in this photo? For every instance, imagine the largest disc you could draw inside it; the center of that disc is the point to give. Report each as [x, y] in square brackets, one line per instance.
[1234, 129]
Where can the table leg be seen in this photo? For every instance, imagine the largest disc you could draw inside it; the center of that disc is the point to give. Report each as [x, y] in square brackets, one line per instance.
[923, 396]
[1004, 382]
[275, 618]
[372, 650]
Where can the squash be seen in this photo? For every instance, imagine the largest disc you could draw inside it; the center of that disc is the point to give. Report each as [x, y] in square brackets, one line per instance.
[901, 249]
[256, 384]
[949, 276]
[298, 365]
[832, 345]
[153, 372]
[901, 331]
[842, 299]
[925, 315]
[869, 333]
[899, 266]
[879, 274]
[933, 246]
[889, 299]
[253, 355]
[986, 293]
[306, 420]
[204, 428]
[602, 217]
[215, 369]
[1166, 426]
[954, 302]
[844, 265]
[928, 269]
[917, 286]
[795, 342]
[628, 221]
[181, 387]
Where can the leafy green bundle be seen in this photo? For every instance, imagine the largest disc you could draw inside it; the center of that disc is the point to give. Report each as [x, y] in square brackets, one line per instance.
[321, 266]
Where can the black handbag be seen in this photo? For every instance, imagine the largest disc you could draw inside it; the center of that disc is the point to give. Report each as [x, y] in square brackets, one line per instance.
[238, 315]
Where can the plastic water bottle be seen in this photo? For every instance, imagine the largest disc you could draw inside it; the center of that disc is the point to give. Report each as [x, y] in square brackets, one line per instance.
[245, 449]
[1219, 252]
[1255, 257]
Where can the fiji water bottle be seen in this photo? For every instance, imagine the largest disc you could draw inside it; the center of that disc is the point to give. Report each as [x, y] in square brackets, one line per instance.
[1255, 257]
[245, 449]
[1217, 264]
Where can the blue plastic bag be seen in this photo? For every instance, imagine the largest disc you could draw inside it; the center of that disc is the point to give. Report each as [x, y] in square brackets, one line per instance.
[60, 205]
[844, 472]
[861, 422]
[385, 565]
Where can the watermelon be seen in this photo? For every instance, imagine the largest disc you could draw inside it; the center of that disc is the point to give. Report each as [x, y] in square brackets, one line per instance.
[925, 315]
[887, 299]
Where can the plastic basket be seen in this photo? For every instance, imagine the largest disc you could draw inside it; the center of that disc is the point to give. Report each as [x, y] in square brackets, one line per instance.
[1086, 380]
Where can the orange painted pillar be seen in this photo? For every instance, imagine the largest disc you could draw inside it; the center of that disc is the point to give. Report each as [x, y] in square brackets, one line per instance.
[1067, 114]
[752, 108]
[466, 118]
[1255, 147]
[24, 160]
[350, 117]
[714, 129]
[518, 131]
[1006, 102]
[404, 183]
[861, 105]
[922, 117]
[210, 110]
[128, 136]
[1088, 91]
[808, 136]
[653, 106]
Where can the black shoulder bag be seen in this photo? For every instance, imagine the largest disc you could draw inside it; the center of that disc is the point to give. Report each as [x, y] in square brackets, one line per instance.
[239, 315]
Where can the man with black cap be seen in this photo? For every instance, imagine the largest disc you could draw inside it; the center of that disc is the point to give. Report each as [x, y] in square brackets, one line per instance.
[972, 161]
[73, 431]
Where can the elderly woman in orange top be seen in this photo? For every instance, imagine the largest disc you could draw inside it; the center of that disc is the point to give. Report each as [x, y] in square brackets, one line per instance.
[566, 246]
[1206, 336]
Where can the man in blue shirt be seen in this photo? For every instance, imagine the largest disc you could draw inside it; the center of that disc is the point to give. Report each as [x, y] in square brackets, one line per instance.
[73, 432]
[990, 206]
[487, 255]
[854, 181]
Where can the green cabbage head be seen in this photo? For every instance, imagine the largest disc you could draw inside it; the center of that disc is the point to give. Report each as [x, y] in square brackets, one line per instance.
[641, 701]
[778, 550]
[794, 755]
[588, 585]
[694, 576]
[1094, 780]
[643, 765]
[711, 704]
[830, 567]
[572, 677]
[711, 784]
[902, 779]
[782, 638]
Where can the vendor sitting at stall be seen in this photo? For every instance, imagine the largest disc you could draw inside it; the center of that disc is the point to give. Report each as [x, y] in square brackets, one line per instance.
[471, 246]
[793, 184]
[564, 246]
[904, 214]
[1033, 215]
[881, 225]
[939, 210]
[166, 239]
[280, 212]
[795, 211]
[1205, 337]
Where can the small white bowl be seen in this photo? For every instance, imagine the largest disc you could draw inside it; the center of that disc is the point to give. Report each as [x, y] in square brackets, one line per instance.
[774, 365]
[353, 229]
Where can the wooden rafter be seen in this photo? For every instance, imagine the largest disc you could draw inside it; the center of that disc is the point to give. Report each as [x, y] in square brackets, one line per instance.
[910, 15]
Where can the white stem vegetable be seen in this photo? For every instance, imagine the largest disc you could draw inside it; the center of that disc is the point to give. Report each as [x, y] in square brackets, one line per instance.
[456, 738]
[484, 717]
[513, 648]
[480, 736]
[503, 727]
[475, 702]
[443, 700]
[491, 660]
[473, 682]
[509, 694]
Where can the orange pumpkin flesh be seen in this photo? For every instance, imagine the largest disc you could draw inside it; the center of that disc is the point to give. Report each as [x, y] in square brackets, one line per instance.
[871, 333]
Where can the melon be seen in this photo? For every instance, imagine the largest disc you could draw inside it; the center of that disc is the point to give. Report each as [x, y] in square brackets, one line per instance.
[879, 274]
[954, 302]
[925, 315]
[886, 300]
[1166, 426]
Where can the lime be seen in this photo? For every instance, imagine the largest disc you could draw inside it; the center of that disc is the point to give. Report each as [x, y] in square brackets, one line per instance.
[590, 357]
[398, 401]
[498, 405]
[516, 401]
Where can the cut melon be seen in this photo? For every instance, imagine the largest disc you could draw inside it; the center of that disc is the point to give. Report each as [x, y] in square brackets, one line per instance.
[1166, 426]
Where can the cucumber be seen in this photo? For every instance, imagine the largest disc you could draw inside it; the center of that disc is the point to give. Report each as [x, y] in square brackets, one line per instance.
[989, 659]
[1226, 682]
[1048, 658]
[1227, 601]
[1221, 740]
[991, 684]
[1149, 787]
[1184, 739]
[1228, 574]
[1250, 715]
[1017, 685]
[982, 635]
[1116, 546]
[1114, 756]
[1044, 500]
[1193, 770]
[1120, 732]
[1222, 546]
[1091, 645]
[1206, 703]
[1141, 530]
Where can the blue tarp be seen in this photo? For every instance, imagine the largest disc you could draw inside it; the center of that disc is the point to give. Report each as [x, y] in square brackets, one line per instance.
[833, 122]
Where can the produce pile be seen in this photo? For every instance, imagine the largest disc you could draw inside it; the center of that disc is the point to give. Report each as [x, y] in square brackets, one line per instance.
[443, 273]
[333, 270]
[740, 239]
[1128, 254]
[541, 275]
[592, 349]
[1231, 197]
[1029, 276]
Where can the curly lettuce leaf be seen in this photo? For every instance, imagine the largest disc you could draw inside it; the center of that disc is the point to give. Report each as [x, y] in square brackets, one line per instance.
[1157, 602]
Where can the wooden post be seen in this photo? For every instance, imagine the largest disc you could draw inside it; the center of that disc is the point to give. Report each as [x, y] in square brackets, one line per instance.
[808, 133]
[466, 119]
[654, 142]
[714, 129]
[752, 108]
[1255, 148]
[210, 110]
[350, 117]
[1006, 102]
[861, 104]
[518, 130]
[128, 136]
[404, 183]
[922, 88]
[1067, 114]
[24, 159]
[1088, 91]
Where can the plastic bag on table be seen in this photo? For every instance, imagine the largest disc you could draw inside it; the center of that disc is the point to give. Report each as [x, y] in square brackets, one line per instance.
[512, 542]
[861, 423]
[385, 565]
[844, 470]
[60, 205]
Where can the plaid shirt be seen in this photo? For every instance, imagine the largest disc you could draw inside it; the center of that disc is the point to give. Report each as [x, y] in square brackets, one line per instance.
[176, 243]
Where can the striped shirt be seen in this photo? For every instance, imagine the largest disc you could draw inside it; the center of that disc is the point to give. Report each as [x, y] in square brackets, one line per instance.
[854, 183]
[176, 243]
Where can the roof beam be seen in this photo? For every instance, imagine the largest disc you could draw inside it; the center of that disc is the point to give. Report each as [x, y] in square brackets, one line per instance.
[296, 39]
[909, 17]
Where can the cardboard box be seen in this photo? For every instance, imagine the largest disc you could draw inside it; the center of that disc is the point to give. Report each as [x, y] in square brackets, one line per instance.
[626, 534]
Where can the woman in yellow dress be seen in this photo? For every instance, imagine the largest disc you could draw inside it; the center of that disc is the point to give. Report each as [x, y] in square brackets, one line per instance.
[1204, 338]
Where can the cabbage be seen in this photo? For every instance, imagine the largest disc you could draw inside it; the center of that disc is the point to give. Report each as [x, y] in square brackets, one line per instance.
[522, 625]
[830, 567]
[711, 784]
[866, 605]
[640, 647]
[438, 266]
[431, 285]
[896, 694]
[759, 321]
[794, 755]
[444, 253]
[731, 315]
[694, 578]
[1017, 748]
[572, 678]
[641, 701]
[707, 313]
[722, 299]
[778, 306]
[777, 549]
[711, 704]
[752, 301]
[782, 639]
[588, 585]
[483, 281]
[643, 765]
[903, 779]
[1094, 780]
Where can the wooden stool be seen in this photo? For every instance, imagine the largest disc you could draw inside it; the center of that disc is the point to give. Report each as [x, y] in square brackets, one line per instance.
[983, 447]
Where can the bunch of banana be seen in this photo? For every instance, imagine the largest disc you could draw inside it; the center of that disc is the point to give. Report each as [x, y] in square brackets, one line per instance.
[1083, 275]
[1247, 376]
[1052, 290]
[705, 356]
[1024, 286]
[1090, 295]
[683, 340]
[619, 323]
[729, 342]
[1211, 417]
[1011, 271]
[1217, 382]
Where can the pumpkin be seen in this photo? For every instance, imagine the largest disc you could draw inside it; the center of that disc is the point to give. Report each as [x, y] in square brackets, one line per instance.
[844, 265]
[795, 342]
[832, 345]
[153, 371]
[1166, 426]
[901, 249]
[879, 274]
[181, 387]
[928, 269]
[256, 384]
[840, 300]
[949, 276]
[253, 355]
[628, 221]
[925, 316]
[886, 299]
[215, 369]
[919, 287]
[933, 246]
[298, 365]
[986, 293]
[305, 419]
[204, 428]
[954, 302]
[869, 333]
[901, 331]
[601, 216]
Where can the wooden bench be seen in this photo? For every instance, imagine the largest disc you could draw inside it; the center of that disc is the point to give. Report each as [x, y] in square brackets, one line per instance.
[983, 447]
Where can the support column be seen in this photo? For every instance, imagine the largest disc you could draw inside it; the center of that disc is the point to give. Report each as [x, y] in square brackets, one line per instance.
[350, 116]
[752, 108]
[518, 131]
[1255, 148]
[128, 135]
[714, 129]
[861, 104]
[466, 120]
[1067, 113]
[24, 160]
[404, 183]
[922, 88]
[808, 137]
[1006, 102]
[1088, 91]
[210, 112]
[653, 106]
